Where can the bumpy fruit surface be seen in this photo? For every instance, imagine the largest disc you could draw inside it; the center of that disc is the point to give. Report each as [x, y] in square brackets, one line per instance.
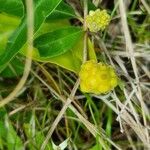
[97, 78]
[97, 20]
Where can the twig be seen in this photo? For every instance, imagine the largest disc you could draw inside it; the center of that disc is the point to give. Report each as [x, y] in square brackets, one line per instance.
[60, 115]
[85, 34]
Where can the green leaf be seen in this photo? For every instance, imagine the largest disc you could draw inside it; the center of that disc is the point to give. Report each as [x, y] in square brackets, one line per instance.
[91, 50]
[7, 26]
[91, 6]
[61, 146]
[63, 11]
[66, 60]
[8, 134]
[42, 9]
[71, 60]
[57, 42]
[35, 141]
[78, 50]
[8, 23]
[13, 7]
[16, 8]
[95, 147]
[15, 68]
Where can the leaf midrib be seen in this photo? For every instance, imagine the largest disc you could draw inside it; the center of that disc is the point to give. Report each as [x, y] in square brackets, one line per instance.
[69, 14]
[60, 39]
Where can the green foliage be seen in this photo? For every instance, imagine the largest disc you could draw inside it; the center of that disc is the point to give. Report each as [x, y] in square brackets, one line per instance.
[57, 42]
[62, 40]
[15, 68]
[8, 135]
[13, 7]
[36, 138]
[14, 43]
[63, 11]
[7, 26]
[8, 23]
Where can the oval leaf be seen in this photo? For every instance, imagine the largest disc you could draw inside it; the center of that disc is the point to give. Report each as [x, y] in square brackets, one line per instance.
[57, 42]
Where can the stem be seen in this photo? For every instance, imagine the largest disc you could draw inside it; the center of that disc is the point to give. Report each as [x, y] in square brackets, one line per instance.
[85, 29]
[28, 62]
[60, 115]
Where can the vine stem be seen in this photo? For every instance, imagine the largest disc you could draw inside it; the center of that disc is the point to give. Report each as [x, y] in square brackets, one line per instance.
[85, 30]
[28, 61]
[71, 97]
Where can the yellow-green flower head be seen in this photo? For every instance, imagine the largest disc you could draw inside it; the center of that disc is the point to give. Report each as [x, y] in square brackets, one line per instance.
[97, 20]
[97, 78]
